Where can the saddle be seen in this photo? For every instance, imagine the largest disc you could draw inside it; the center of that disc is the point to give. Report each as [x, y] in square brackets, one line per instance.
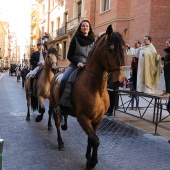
[66, 96]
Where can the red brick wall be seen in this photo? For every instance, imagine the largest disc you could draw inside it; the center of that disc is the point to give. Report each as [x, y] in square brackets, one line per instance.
[160, 27]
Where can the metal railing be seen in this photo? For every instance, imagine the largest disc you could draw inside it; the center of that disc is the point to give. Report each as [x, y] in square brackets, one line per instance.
[59, 32]
[72, 23]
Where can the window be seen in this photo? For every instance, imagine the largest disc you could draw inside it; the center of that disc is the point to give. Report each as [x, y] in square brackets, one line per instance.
[64, 50]
[52, 26]
[43, 9]
[58, 23]
[65, 18]
[52, 3]
[79, 11]
[104, 5]
[57, 48]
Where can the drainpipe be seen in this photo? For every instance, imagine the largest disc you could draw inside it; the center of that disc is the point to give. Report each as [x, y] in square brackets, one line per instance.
[94, 13]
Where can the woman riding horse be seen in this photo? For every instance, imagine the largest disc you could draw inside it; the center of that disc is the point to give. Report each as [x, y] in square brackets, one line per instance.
[90, 98]
[80, 45]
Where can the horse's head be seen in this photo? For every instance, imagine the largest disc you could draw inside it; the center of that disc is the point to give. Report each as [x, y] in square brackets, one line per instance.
[51, 59]
[113, 55]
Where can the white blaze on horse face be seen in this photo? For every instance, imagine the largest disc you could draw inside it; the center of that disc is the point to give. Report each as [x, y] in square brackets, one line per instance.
[53, 60]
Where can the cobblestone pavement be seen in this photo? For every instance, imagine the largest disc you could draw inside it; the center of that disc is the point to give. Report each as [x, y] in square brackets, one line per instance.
[30, 146]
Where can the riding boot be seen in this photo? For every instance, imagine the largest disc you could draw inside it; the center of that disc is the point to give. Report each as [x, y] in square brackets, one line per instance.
[66, 97]
[31, 85]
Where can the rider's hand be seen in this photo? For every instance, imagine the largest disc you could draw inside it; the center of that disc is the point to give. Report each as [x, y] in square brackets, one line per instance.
[127, 46]
[79, 65]
[38, 64]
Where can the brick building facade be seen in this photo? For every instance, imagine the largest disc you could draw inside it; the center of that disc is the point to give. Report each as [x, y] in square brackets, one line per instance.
[140, 17]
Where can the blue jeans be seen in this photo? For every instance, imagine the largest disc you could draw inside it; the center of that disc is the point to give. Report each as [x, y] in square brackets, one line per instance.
[65, 77]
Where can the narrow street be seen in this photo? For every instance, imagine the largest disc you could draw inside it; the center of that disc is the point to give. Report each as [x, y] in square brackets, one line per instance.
[30, 146]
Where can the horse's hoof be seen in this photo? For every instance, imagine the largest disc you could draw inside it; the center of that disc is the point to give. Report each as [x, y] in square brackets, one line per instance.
[61, 147]
[38, 118]
[50, 127]
[64, 127]
[27, 118]
[90, 165]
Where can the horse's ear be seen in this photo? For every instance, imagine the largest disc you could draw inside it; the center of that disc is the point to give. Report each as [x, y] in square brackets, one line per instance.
[109, 30]
[124, 32]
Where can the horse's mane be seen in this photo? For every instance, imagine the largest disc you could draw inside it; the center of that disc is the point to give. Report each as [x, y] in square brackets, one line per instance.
[53, 50]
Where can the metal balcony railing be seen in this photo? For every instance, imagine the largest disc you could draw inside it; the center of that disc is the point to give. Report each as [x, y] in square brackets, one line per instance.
[72, 24]
[58, 33]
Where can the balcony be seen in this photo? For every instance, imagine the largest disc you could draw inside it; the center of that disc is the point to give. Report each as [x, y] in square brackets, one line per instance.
[72, 24]
[58, 33]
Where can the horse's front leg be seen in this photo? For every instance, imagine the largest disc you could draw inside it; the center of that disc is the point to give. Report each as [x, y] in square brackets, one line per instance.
[57, 118]
[93, 142]
[41, 109]
[88, 151]
[28, 106]
[50, 127]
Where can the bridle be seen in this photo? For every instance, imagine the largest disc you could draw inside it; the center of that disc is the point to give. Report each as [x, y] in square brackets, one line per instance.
[50, 64]
[109, 70]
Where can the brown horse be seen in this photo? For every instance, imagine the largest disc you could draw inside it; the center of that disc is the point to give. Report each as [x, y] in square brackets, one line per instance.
[42, 87]
[90, 98]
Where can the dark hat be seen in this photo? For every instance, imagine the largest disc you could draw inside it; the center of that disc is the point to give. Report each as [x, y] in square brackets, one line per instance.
[39, 43]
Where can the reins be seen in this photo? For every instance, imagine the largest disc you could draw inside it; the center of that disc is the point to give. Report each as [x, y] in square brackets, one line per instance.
[50, 64]
[94, 74]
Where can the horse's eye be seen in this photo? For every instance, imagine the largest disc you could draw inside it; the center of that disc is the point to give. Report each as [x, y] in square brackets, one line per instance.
[110, 50]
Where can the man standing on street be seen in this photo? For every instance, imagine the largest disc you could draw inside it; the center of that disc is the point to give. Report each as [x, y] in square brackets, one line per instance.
[24, 73]
[134, 63]
[149, 67]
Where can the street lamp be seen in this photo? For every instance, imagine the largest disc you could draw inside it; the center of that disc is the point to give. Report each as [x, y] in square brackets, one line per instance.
[23, 60]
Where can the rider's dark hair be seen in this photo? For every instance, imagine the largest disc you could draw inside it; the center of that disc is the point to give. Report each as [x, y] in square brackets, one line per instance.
[90, 28]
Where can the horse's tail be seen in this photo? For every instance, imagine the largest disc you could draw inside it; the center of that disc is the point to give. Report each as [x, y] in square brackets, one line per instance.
[34, 103]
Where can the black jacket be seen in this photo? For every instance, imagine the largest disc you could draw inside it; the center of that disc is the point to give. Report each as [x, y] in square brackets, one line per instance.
[24, 73]
[166, 59]
[35, 57]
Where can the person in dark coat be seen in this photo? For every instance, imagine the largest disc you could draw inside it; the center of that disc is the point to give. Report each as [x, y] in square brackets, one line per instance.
[166, 60]
[37, 59]
[24, 73]
[134, 63]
